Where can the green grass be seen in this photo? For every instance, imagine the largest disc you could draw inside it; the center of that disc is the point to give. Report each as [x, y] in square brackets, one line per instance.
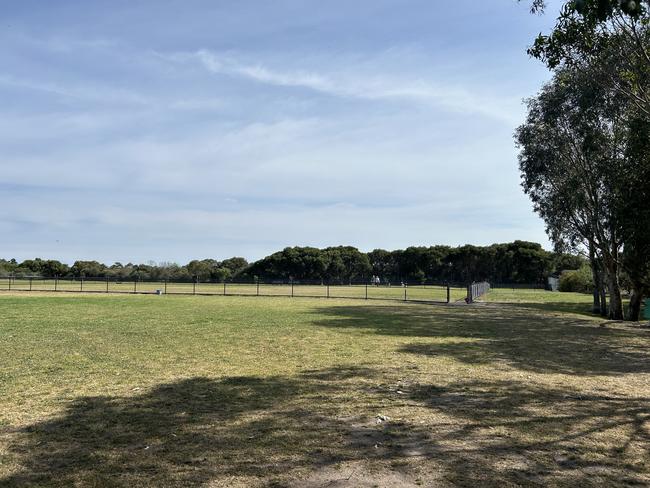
[133, 390]
[510, 295]
[431, 293]
[580, 303]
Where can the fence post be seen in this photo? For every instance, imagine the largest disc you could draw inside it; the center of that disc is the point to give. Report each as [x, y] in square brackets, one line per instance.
[448, 294]
[328, 289]
[81, 283]
[165, 286]
[9, 282]
[30, 283]
[405, 291]
[291, 287]
[135, 284]
[107, 284]
[194, 286]
[258, 287]
[56, 282]
[366, 291]
[224, 288]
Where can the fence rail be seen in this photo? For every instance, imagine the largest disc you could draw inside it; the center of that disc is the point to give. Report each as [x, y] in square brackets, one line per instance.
[434, 293]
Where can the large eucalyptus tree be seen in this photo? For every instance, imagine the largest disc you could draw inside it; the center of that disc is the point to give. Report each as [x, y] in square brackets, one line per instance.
[572, 148]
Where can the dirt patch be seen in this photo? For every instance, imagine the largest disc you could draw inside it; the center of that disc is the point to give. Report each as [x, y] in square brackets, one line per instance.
[359, 475]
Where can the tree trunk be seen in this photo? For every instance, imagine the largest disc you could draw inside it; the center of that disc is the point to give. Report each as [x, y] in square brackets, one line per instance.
[615, 300]
[596, 275]
[595, 308]
[634, 313]
[600, 285]
[603, 298]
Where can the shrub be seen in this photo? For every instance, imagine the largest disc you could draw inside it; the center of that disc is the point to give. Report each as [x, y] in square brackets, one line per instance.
[578, 280]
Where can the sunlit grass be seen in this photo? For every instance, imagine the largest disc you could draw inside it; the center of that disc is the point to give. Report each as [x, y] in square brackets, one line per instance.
[429, 293]
[514, 295]
[250, 391]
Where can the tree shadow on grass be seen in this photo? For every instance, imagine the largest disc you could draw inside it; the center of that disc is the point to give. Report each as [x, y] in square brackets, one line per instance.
[529, 434]
[281, 431]
[522, 337]
[583, 309]
[166, 434]
[252, 430]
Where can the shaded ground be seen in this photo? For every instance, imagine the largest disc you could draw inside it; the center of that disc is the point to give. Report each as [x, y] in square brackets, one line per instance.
[518, 335]
[262, 392]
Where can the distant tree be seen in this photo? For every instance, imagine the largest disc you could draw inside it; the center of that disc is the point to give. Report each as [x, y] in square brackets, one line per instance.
[202, 269]
[466, 262]
[421, 264]
[89, 269]
[382, 263]
[299, 263]
[347, 264]
[565, 261]
[235, 265]
[532, 264]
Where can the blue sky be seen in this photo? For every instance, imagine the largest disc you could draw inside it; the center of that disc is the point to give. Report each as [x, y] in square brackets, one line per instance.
[173, 130]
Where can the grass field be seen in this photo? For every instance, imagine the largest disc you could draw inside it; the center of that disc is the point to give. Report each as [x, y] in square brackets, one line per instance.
[431, 293]
[141, 390]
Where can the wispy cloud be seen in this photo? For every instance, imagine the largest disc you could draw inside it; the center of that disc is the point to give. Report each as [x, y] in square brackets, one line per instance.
[347, 82]
[79, 91]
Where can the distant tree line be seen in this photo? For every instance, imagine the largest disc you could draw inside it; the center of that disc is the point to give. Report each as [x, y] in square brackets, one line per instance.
[516, 262]
[203, 270]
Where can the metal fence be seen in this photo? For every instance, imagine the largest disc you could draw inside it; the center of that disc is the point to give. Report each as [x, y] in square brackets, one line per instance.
[477, 290]
[427, 292]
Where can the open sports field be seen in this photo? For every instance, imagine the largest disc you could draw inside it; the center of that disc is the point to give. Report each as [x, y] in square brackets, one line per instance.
[143, 390]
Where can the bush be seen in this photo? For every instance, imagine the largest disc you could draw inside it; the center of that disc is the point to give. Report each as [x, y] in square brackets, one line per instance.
[579, 280]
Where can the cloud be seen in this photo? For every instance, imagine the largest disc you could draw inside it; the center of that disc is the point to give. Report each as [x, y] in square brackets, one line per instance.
[348, 83]
[198, 104]
[314, 159]
[80, 91]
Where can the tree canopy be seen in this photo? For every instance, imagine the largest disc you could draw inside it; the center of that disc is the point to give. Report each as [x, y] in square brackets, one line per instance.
[584, 145]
